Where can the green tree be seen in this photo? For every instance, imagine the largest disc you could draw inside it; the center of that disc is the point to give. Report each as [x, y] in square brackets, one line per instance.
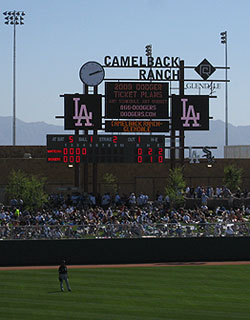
[110, 182]
[29, 188]
[232, 177]
[175, 187]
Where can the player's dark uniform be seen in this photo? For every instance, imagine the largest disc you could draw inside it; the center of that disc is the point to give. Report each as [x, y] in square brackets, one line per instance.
[63, 275]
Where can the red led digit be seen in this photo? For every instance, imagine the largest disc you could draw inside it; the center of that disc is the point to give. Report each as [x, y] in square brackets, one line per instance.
[115, 138]
[65, 159]
[78, 151]
[71, 159]
[84, 151]
[160, 151]
[71, 139]
[160, 159]
[65, 151]
[91, 139]
[139, 151]
[139, 159]
[71, 150]
[151, 159]
[150, 151]
[78, 159]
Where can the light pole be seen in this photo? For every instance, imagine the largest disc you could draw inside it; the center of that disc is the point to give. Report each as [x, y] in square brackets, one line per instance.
[14, 18]
[224, 41]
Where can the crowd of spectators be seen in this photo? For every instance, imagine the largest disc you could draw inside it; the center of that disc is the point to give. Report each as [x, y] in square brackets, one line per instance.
[87, 209]
[218, 192]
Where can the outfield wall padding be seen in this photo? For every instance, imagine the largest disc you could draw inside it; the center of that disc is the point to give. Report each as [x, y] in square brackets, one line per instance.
[116, 251]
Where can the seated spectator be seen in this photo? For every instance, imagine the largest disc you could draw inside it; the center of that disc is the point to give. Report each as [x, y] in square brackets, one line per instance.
[229, 231]
[117, 200]
[218, 192]
[132, 200]
[106, 199]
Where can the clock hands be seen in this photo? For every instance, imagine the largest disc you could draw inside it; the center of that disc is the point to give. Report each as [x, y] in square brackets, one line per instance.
[95, 72]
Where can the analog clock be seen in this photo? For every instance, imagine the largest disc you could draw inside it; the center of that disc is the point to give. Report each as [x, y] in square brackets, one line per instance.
[92, 73]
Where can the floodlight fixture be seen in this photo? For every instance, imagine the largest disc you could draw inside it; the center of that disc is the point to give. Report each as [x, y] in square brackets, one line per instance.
[223, 37]
[148, 49]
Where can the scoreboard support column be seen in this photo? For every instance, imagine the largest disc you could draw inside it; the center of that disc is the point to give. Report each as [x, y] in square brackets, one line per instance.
[77, 175]
[86, 178]
[85, 165]
[181, 133]
[94, 166]
[77, 168]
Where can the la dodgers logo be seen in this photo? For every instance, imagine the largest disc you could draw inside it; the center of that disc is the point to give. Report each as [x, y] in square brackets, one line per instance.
[189, 114]
[79, 114]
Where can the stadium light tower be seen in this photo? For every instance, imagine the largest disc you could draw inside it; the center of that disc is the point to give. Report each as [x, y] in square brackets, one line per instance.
[14, 18]
[224, 41]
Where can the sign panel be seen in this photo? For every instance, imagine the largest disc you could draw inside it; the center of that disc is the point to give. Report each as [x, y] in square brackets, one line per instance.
[136, 126]
[82, 111]
[150, 68]
[72, 149]
[205, 69]
[190, 112]
[136, 100]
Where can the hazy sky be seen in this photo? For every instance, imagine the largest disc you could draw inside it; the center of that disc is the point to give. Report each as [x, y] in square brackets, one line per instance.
[59, 36]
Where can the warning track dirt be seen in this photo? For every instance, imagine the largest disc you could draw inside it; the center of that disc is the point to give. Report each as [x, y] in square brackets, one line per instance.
[163, 264]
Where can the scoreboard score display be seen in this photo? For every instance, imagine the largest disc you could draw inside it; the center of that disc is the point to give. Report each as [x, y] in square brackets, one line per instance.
[70, 149]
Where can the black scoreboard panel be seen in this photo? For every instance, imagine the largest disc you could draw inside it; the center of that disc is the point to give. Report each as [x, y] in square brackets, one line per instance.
[72, 149]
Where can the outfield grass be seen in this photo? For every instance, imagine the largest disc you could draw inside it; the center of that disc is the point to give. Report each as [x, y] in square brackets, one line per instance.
[143, 293]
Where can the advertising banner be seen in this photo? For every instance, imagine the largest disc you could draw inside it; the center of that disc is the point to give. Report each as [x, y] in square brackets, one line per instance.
[136, 126]
[136, 100]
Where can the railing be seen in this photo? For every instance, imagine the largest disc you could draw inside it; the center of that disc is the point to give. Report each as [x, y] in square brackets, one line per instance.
[134, 230]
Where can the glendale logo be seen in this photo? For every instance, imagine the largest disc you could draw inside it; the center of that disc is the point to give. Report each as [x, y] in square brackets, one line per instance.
[205, 69]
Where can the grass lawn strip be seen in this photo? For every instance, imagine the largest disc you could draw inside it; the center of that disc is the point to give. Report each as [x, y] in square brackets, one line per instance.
[187, 292]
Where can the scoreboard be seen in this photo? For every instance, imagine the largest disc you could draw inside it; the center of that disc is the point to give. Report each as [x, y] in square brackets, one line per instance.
[72, 149]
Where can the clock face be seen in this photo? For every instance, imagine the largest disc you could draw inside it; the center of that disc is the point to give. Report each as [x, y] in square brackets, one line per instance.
[92, 73]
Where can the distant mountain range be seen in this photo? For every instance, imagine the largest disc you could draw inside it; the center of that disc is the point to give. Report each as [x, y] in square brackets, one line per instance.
[34, 133]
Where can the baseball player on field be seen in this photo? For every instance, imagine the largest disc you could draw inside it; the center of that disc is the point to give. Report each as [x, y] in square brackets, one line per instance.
[63, 275]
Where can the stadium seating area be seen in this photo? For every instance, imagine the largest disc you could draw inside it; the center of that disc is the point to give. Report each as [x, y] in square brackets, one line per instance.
[87, 215]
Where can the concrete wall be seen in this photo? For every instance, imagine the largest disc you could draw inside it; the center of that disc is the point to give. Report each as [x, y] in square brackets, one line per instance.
[237, 152]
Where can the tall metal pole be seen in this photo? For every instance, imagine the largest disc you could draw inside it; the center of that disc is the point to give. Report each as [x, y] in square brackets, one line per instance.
[226, 95]
[14, 18]
[224, 41]
[14, 84]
